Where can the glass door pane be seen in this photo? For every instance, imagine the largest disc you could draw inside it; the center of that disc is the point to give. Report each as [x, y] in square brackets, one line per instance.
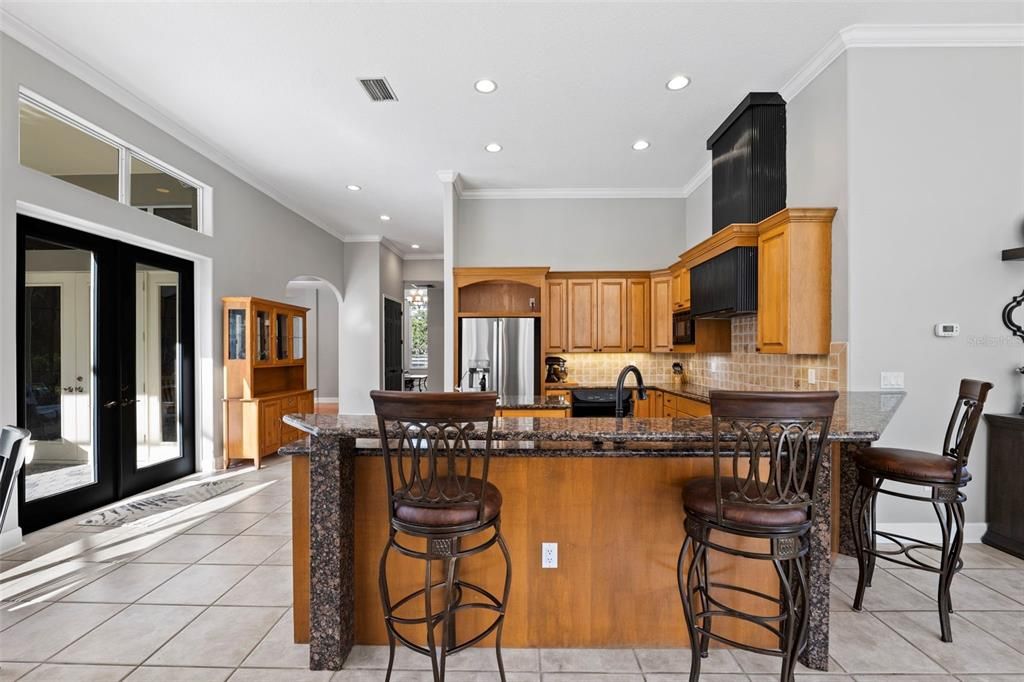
[58, 362]
[298, 337]
[157, 366]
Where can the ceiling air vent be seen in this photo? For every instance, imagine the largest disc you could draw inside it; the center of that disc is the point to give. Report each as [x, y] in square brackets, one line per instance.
[378, 90]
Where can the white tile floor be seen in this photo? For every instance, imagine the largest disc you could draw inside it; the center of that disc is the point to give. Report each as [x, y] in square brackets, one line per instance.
[205, 594]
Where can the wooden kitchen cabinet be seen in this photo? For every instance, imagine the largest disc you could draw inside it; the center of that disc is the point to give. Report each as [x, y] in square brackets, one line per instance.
[638, 310]
[612, 308]
[582, 315]
[710, 336]
[661, 311]
[794, 278]
[680, 287]
[264, 376]
[556, 307]
[642, 408]
[658, 404]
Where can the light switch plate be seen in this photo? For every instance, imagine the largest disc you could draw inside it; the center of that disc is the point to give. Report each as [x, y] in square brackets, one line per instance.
[892, 381]
[812, 377]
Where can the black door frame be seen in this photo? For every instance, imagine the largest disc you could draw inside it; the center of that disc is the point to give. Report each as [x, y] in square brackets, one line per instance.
[113, 429]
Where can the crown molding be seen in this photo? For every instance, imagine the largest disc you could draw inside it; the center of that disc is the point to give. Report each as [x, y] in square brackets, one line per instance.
[933, 35]
[886, 35]
[452, 178]
[575, 193]
[362, 238]
[424, 256]
[702, 176]
[35, 41]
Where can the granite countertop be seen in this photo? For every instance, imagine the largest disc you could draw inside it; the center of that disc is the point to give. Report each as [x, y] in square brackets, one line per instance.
[860, 416]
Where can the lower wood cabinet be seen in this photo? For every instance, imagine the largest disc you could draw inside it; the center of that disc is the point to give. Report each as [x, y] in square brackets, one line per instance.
[549, 413]
[254, 428]
[665, 404]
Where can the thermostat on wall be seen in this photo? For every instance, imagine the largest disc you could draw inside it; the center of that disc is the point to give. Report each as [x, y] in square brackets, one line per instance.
[947, 329]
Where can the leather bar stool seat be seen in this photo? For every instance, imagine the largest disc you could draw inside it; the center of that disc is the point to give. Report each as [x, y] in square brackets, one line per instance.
[700, 499]
[914, 465]
[435, 516]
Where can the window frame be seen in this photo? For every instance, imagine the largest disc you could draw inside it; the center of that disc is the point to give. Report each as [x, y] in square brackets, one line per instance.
[125, 150]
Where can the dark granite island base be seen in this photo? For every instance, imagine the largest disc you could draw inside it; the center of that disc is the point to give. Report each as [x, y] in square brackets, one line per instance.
[339, 589]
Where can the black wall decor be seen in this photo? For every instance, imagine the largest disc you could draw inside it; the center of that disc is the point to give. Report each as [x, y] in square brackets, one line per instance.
[1015, 327]
[748, 162]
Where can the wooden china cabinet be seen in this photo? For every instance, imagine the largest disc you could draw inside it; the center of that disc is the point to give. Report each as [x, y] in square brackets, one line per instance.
[264, 375]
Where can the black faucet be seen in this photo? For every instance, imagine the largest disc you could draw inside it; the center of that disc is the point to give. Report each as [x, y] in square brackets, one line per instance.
[641, 390]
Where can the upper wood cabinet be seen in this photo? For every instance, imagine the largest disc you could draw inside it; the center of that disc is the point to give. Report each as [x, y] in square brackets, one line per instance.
[661, 312]
[612, 309]
[556, 322]
[680, 287]
[582, 304]
[638, 314]
[794, 293]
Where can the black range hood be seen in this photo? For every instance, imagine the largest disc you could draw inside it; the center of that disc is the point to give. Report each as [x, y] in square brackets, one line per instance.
[748, 162]
[748, 184]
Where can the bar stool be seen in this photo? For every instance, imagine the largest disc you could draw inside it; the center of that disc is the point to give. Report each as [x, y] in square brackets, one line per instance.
[945, 474]
[774, 443]
[434, 496]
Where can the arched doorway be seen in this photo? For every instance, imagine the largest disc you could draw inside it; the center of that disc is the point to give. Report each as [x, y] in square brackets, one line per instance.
[324, 336]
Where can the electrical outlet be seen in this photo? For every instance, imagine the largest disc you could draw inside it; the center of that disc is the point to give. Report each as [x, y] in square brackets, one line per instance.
[812, 377]
[549, 555]
[892, 381]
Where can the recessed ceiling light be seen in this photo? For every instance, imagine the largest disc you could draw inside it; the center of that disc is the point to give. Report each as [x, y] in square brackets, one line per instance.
[353, 188]
[163, 190]
[385, 218]
[677, 82]
[415, 246]
[641, 145]
[493, 147]
[485, 86]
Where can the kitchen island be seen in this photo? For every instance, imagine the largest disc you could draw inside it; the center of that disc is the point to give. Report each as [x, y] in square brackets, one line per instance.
[607, 490]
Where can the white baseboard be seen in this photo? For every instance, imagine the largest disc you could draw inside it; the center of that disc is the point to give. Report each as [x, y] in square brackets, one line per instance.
[930, 531]
[326, 399]
[10, 538]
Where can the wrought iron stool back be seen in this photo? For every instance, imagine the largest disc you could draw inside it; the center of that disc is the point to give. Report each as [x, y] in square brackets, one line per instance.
[786, 431]
[964, 422]
[437, 449]
[430, 464]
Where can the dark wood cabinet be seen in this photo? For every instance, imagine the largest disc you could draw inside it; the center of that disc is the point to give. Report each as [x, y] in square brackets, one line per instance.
[1004, 492]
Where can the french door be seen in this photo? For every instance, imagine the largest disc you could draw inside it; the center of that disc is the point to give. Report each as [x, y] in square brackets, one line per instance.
[105, 370]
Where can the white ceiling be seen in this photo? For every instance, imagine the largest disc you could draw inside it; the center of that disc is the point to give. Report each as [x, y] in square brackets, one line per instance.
[274, 87]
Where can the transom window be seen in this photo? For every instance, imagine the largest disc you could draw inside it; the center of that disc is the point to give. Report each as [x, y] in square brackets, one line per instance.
[54, 141]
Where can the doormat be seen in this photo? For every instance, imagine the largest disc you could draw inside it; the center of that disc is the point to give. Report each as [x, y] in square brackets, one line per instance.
[171, 501]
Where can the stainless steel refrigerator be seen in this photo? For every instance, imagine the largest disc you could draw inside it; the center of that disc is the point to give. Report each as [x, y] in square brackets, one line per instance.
[502, 349]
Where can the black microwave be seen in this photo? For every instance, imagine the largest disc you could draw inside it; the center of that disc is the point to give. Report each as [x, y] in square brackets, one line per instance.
[683, 328]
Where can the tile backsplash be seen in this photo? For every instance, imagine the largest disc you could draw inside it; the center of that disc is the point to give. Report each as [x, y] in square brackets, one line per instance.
[743, 369]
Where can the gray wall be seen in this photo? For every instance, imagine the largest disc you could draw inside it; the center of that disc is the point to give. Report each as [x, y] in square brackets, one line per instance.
[935, 170]
[816, 170]
[256, 247]
[361, 320]
[570, 234]
[698, 214]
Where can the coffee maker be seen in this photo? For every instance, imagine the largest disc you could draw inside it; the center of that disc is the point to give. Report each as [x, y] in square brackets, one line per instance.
[556, 370]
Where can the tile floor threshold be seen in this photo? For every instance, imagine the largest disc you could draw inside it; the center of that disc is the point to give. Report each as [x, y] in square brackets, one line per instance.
[205, 595]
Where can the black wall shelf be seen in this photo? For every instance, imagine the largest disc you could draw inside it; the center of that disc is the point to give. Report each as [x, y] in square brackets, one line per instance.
[1014, 254]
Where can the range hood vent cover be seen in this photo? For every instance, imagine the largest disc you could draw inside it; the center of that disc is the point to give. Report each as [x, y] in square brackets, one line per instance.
[378, 89]
[748, 164]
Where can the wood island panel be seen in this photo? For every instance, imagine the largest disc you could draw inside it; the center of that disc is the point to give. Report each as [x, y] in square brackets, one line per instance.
[619, 526]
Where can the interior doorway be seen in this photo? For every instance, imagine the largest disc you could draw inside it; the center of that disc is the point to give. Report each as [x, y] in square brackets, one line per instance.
[393, 369]
[105, 370]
